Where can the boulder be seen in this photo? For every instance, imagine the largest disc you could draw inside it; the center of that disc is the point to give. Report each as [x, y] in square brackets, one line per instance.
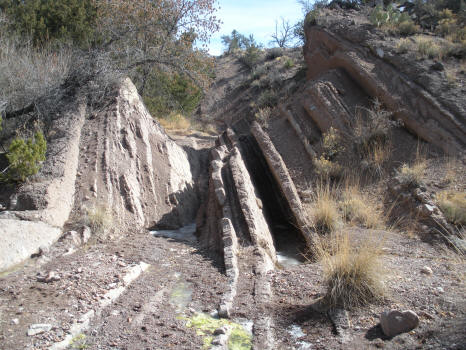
[21, 239]
[395, 322]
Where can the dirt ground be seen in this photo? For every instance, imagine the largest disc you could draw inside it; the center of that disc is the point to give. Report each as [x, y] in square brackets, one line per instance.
[183, 280]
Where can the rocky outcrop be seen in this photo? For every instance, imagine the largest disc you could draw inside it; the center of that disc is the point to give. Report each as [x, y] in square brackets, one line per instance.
[119, 159]
[370, 66]
[414, 202]
[279, 171]
[21, 239]
[49, 197]
[129, 165]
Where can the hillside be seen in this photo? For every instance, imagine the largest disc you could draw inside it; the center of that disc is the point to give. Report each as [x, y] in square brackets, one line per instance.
[334, 191]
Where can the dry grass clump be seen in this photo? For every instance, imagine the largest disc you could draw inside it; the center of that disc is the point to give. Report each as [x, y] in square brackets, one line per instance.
[100, 220]
[403, 45]
[263, 116]
[453, 206]
[175, 122]
[352, 272]
[324, 212]
[359, 208]
[413, 174]
[327, 169]
[377, 155]
[429, 48]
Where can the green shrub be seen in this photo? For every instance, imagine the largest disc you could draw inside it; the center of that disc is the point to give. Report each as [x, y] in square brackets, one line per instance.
[251, 57]
[393, 20]
[43, 20]
[289, 63]
[170, 92]
[25, 156]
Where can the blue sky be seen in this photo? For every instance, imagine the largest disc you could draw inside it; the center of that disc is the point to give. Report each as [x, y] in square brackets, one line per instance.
[253, 17]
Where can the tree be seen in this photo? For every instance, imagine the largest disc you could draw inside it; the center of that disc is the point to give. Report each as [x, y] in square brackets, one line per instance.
[43, 20]
[144, 34]
[283, 34]
[25, 157]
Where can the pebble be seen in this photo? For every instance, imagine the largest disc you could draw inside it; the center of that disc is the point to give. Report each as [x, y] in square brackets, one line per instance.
[426, 270]
[15, 321]
[52, 276]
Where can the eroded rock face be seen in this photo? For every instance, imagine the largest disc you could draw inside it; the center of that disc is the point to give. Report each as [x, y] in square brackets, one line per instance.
[376, 72]
[118, 159]
[130, 166]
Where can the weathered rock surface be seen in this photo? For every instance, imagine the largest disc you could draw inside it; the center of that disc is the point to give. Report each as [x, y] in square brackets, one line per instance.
[20, 239]
[130, 165]
[50, 197]
[118, 159]
[395, 322]
[358, 53]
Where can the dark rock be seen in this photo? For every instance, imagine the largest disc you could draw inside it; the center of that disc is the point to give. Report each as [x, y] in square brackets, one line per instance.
[438, 66]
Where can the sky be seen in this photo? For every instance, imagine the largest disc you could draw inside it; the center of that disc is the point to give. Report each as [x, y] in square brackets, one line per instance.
[252, 17]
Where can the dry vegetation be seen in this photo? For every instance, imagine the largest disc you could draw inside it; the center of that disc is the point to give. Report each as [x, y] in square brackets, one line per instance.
[324, 213]
[359, 209]
[100, 220]
[453, 205]
[413, 174]
[175, 122]
[352, 272]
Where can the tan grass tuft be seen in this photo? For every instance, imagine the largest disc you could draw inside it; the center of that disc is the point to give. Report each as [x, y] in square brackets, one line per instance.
[324, 210]
[453, 206]
[413, 174]
[359, 208]
[352, 272]
[175, 122]
[100, 220]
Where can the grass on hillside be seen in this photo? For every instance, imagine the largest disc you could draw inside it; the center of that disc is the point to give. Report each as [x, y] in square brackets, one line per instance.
[100, 220]
[324, 212]
[453, 206]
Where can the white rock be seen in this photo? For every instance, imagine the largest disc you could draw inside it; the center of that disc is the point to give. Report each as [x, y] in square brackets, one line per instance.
[15, 321]
[39, 328]
[394, 322]
[427, 270]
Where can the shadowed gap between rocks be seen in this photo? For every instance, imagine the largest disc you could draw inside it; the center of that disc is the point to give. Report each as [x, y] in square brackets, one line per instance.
[287, 238]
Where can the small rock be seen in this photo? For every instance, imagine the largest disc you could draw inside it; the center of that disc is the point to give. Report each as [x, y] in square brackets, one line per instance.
[52, 276]
[439, 290]
[426, 270]
[221, 330]
[15, 321]
[73, 237]
[38, 328]
[85, 234]
[437, 66]
[394, 322]
[43, 250]
[426, 315]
